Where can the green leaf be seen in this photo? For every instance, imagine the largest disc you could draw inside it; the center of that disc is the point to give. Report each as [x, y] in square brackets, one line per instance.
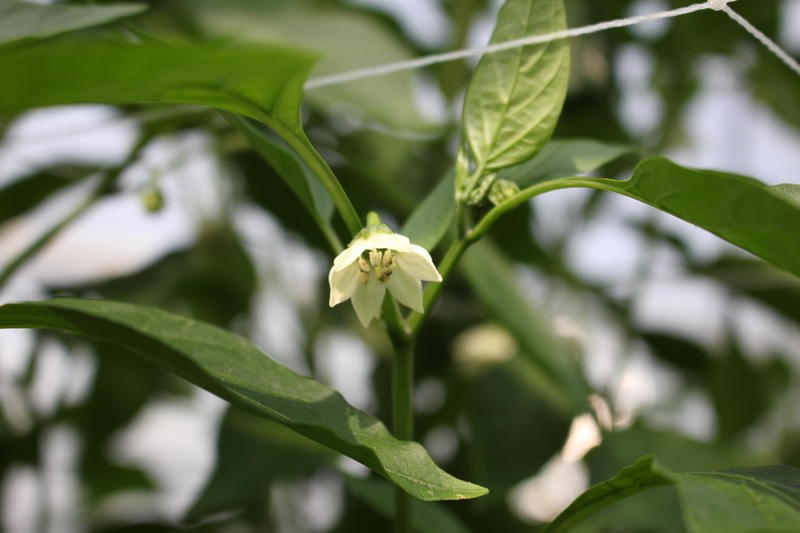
[741, 210]
[741, 500]
[26, 20]
[788, 191]
[643, 475]
[294, 173]
[562, 158]
[234, 369]
[429, 222]
[262, 82]
[515, 96]
[426, 517]
[554, 375]
[737, 500]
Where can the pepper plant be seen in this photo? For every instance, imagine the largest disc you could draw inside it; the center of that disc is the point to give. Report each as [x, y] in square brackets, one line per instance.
[253, 95]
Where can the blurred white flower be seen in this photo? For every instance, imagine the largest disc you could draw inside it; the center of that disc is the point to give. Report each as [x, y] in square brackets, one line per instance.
[375, 260]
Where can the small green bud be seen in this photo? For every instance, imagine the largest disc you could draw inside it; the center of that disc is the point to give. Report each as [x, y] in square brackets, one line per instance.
[374, 226]
[153, 200]
[479, 193]
[502, 190]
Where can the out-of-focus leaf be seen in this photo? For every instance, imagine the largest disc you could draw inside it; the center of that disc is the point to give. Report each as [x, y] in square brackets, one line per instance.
[26, 20]
[562, 158]
[643, 475]
[251, 453]
[558, 378]
[27, 192]
[728, 376]
[678, 351]
[504, 454]
[262, 82]
[776, 85]
[429, 222]
[294, 173]
[737, 500]
[427, 517]
[346, 40]
[515, 96]
[236, 370]
[765, 284]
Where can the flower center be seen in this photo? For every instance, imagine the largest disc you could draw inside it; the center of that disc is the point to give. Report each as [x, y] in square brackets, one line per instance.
[381, 261]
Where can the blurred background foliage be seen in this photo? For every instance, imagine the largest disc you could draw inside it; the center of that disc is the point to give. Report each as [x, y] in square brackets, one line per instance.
[721, 392]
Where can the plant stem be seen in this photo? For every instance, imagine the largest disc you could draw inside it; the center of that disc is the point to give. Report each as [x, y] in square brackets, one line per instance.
[320, 168]
[403, 422]
[535, 190]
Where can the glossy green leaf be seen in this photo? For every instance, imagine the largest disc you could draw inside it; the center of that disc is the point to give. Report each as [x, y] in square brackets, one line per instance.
[643, 475]
[294, 173]
[26, 20]
[741, 210]
[562, 158]
[741, 500]
[737, 500]
[552, 371]
[515, 96]
[427, 517]
[429, 222]
[234, 369]
[263, 82]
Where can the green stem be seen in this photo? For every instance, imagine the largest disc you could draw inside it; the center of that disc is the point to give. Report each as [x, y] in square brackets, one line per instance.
[296, 138]
[528, 193]
[320, 168]
[395, 325]
[403, 422]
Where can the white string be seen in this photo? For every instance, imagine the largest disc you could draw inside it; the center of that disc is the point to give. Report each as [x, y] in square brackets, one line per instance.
[766, 41]
[369, 72]
[719, 5]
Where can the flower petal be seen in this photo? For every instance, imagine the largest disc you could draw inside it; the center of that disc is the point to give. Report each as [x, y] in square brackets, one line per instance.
[407, 290]
[367, 300]
[418, 263]
[393, 241]
[350, 254]
[343, 283]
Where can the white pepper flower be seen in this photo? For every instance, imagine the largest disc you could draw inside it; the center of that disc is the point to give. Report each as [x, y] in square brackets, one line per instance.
[376, 260]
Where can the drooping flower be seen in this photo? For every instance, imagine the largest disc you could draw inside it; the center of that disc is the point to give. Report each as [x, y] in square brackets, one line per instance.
[376, 260]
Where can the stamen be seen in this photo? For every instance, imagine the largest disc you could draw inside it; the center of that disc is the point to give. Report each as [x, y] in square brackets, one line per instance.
[363, 267]
[382, 261]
